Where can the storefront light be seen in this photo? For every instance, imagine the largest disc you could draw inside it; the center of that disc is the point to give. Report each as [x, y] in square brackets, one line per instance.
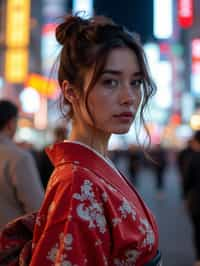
[86, 7]
[195, 121]
[185, 13]
[16, 65]
[163, 15]
[30, 100]
[17, 23]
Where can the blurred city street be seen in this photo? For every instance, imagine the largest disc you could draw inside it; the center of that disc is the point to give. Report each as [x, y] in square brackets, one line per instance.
[174, 225]
[53, 54]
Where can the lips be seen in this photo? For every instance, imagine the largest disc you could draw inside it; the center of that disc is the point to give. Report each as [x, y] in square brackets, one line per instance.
[125, 114]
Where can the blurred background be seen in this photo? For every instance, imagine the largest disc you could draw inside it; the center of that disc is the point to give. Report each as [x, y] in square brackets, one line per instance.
[170, 33]
[169, 30]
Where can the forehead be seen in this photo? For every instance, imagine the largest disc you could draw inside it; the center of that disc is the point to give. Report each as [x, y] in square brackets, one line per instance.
[122, 59]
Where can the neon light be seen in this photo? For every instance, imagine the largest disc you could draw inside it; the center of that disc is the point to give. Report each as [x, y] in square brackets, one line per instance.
[18, 23]
[16, 65]
[185, 13]
[85, 6]
[196, 49]
[196, 56]
[30, 100]
[163, 19]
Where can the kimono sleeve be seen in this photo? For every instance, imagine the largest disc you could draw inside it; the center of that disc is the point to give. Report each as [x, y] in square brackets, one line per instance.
[80, 236]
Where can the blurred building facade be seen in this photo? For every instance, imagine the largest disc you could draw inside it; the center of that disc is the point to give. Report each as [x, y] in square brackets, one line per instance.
[30, 80]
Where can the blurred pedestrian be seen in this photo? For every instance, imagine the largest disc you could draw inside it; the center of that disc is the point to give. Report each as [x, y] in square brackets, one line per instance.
[159, 163]
[45, 166]
[183, 158]
[135, 160]
[191, 185]
[20, 188]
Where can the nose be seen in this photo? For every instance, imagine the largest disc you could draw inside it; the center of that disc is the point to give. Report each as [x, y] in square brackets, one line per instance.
[127, 95]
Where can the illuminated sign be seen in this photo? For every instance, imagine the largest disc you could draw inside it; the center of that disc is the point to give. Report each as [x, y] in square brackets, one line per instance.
[196, 49]
[196, 56]
[85, 7]
[49, 48]
[16, 65]
[46, 87]
[30, 100]
[17, 40]
[17, 23]
[163, 15]
[195, 121]
[52, 12]
[185, 13]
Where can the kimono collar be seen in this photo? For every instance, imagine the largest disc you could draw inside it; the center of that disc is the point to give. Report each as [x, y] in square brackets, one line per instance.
[79, 153]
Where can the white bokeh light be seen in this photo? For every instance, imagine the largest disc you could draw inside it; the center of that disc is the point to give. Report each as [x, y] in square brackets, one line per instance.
[163, 19]
[30, 100]
[83, 5]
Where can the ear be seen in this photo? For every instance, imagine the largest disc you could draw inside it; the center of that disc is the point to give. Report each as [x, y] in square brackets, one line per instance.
[69, 92]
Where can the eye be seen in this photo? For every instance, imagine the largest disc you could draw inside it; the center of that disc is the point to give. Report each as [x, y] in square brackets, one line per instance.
[111, 83]
[136, 83]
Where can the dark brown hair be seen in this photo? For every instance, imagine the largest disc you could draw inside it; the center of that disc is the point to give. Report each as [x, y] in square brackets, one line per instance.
[86, 44]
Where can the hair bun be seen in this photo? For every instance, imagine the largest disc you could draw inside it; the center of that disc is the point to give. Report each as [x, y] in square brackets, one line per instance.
[72, 24]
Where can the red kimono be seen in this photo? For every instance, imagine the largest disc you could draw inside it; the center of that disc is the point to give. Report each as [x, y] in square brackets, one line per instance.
[91, 215]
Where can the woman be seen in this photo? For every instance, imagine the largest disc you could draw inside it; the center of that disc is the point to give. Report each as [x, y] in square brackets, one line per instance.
[91, 215]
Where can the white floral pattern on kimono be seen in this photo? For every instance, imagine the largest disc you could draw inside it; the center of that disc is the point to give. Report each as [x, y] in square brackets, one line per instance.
[93, 213]
[131, 256]
[146, 229]
[67, 240]
[95, 218]
[53, 253]
[125, 209]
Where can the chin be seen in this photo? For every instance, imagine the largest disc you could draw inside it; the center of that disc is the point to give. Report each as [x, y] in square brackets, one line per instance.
[121, 131]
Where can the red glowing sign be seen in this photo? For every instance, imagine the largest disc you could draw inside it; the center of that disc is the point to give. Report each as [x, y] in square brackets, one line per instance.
[196, 56]
[185, 13]
[196, 49]
[49, 28]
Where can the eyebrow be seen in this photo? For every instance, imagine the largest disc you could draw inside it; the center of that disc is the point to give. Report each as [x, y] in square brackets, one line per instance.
[117, 72]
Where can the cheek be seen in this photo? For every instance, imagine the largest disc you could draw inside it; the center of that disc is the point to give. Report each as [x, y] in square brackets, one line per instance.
[101, 112]
[94, 113]
[99, 102]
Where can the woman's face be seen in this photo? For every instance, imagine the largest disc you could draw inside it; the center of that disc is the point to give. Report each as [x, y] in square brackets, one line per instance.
[114, 100]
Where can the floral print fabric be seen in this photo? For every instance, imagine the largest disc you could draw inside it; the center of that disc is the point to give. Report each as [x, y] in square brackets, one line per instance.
[87, 220]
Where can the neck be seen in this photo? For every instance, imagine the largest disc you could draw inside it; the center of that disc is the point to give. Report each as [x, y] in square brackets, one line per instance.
[94, 139]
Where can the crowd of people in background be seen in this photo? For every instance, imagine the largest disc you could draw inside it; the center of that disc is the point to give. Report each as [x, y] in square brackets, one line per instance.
[130, 160]
[17, 198]
[24, 171]
[188, 161]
